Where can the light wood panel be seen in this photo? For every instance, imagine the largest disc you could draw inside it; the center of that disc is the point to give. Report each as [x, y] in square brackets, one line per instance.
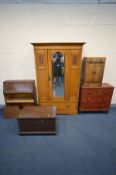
[74, 73]
[41, 63]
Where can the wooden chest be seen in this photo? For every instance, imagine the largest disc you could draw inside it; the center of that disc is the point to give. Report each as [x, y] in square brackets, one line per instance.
[95, 98]
[92, 70]
[33, 119]
[19, 92]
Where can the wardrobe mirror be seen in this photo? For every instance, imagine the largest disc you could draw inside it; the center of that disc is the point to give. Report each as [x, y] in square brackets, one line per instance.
[58, 74]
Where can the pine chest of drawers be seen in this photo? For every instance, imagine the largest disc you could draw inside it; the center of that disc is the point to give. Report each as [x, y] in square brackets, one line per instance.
[95, 98]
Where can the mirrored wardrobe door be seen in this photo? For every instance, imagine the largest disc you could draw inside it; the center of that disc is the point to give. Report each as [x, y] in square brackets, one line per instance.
[57, 71]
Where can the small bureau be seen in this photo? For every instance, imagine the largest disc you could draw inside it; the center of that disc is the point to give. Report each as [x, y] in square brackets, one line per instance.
[19, 93]
[95, 98]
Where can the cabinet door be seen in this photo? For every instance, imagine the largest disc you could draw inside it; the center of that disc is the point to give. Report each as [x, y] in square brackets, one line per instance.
[74, 61]
[94, 69]
[89, 72]
[98, 72]
[41, 63]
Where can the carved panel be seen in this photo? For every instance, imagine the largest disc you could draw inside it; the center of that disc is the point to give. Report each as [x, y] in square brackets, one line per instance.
[41, 59]
[74, 60]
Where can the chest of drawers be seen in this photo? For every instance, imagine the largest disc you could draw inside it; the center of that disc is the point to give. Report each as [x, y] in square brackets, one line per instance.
[95, 98]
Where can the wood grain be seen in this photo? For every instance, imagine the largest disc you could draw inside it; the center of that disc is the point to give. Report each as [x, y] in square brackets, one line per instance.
[92, 70]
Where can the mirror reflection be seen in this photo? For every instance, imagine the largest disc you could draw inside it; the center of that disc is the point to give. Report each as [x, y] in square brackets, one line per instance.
[58, 74]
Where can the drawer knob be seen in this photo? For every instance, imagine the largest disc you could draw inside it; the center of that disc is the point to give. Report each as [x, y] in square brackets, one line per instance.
[105, 92]
[103, 106]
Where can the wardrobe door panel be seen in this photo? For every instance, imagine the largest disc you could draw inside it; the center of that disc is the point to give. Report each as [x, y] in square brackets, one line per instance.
[42, 74]
[74, 73]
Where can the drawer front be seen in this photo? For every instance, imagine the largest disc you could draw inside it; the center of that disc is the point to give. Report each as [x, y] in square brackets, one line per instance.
[63, 107]
[20, 105]
[97, 99]
[19, 96]
[96, 91]
[36, 125]
[94, 106]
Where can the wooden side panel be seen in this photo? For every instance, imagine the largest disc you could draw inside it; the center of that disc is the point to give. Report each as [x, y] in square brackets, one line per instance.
[74, 73]
[41, 63]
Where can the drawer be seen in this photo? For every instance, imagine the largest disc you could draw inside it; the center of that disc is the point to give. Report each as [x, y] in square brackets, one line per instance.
[96, 91]
[61, 105]
[97, 99]
[93, 106]
[67, 106]
[72, 111]
[19, 96]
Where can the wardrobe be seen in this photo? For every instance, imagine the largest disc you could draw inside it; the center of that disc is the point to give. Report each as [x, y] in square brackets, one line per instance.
[58, 75]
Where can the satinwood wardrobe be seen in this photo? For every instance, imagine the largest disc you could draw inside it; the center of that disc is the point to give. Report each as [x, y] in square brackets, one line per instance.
[53, 89]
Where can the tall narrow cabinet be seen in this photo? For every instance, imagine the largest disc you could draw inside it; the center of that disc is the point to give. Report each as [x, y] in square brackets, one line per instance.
[58, 75]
